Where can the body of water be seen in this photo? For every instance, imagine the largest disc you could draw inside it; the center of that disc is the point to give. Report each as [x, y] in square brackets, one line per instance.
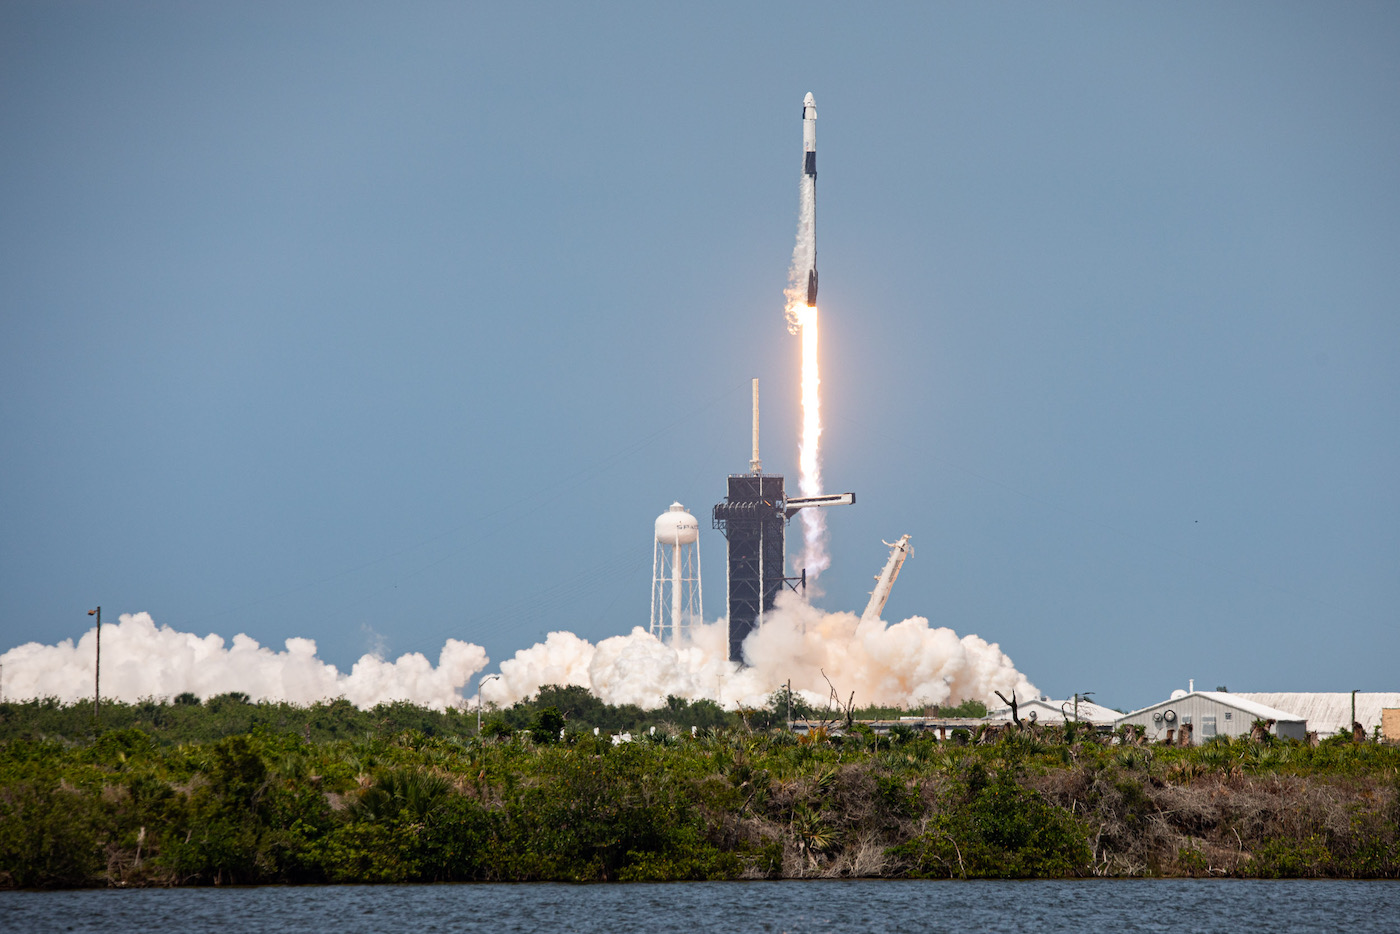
[1181, 905]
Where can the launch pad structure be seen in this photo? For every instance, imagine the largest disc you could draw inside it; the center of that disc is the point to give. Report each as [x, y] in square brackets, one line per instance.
[753, 521]
[753, 518]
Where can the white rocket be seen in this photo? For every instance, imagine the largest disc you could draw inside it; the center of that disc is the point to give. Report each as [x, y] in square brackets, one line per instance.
[809, 184]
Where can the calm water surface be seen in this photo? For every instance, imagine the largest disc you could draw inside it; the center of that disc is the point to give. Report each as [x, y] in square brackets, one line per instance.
[699, 908]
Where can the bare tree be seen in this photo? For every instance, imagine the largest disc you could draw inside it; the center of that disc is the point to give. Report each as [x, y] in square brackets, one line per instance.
[847, 710]
[1014, 716]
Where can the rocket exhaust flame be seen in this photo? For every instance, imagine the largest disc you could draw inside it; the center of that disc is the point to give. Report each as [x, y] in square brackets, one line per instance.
[814, 557]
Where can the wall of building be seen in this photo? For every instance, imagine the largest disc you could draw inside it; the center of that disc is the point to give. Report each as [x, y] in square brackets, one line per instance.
[1208, 718]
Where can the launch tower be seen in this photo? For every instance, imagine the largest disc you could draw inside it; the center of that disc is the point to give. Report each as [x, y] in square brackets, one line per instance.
[753, 521]
[753, 518]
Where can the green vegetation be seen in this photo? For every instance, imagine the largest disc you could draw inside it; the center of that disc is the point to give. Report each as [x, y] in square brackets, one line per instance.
[186, 719]
[231, 792]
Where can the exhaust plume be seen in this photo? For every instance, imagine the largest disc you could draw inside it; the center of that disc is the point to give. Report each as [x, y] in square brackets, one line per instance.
[814, 555]
[140, 660]
[909, 663]
[804, 253]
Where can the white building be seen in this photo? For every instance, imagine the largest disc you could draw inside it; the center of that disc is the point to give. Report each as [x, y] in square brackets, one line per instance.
[1045, 710]
[1213, 713]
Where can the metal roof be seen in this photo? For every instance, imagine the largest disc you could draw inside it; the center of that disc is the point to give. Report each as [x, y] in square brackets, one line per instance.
[1238, 701]
[1051, 711]
[1328, 713]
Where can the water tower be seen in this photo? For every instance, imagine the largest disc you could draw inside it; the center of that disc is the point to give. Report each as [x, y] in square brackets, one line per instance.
[675, 574]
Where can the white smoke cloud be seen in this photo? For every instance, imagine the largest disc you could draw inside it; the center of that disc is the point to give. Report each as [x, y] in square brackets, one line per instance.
[141, 660]
[906, 664]
[909, 663]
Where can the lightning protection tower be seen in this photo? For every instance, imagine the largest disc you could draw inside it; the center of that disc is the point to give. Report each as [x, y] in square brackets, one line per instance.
[753, 517]
[675, 575]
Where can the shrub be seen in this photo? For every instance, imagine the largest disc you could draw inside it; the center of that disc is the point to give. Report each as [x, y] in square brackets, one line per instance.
[991, 827]
[547, 726]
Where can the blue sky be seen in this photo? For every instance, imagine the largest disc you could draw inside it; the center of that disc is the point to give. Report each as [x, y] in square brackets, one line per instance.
[372, 322]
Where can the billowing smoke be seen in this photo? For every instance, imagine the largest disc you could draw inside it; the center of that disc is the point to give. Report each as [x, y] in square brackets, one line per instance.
[906, 664]
[140, 660]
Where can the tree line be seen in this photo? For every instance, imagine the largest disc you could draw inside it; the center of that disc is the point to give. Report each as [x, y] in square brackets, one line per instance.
[228, 792]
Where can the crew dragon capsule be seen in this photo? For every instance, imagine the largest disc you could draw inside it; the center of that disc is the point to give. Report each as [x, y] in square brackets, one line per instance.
[809, 177]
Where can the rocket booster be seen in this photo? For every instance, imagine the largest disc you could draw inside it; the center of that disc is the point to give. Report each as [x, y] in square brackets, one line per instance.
[801, 290]
[809, 135]
[809, 177]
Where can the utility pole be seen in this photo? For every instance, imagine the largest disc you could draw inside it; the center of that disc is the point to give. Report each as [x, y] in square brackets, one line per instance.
[478, 701]
[789, 700]
[1086, 695]
[97, 678]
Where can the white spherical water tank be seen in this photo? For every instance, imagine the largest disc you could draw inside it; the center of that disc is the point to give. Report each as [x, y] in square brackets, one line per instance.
[675, 574]
[675, 526]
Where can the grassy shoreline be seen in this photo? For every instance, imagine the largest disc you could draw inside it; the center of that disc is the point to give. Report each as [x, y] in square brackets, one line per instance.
[220, 793]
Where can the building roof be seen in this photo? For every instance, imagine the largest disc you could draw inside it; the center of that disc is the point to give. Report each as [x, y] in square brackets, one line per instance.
[1051, 711]
[1329, 713]
[1238, 701]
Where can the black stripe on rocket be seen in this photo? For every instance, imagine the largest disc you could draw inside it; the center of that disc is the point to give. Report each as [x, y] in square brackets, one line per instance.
[809, 167]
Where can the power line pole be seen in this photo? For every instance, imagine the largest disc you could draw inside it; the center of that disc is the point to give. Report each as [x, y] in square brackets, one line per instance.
[478, 701]
[97, 678]
[1086, 695]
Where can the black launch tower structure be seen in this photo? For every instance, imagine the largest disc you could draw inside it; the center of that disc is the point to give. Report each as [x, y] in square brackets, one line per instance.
[753, 518]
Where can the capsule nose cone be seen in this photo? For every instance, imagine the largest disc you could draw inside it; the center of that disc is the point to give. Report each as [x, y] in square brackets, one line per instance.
[809, 100]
